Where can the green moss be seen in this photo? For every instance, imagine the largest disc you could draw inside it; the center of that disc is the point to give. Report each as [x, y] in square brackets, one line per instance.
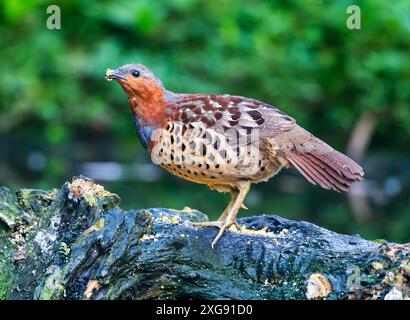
[52, 287]
[380, 240]
[36, 201]
[10, 211]
[5, 281]
[7, 250]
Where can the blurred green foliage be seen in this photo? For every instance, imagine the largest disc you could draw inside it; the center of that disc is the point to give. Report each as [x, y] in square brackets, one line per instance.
[297, 55]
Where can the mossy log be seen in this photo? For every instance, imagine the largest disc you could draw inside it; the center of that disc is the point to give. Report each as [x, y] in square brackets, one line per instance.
[76, 243]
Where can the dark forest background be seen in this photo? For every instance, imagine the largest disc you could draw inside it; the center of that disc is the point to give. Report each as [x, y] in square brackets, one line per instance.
[59, 117]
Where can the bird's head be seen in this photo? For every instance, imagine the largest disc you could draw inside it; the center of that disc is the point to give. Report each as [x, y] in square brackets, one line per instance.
[147, 96]
[136, 80]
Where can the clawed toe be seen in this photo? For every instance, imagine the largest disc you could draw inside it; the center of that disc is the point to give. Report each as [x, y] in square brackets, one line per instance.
[225, 226]
[218, 224]
[222, 225]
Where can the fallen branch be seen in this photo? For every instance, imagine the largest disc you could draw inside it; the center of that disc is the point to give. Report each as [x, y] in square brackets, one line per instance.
[76, 243]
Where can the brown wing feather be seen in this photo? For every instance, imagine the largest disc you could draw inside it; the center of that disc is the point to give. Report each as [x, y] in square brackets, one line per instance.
[237, 117]
[320, 163]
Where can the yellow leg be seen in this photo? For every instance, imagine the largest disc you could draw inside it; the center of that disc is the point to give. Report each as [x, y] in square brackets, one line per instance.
[234, 195]
[221, 219]
[228, 217]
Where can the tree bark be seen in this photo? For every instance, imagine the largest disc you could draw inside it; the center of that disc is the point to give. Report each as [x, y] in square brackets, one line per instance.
[77, 243]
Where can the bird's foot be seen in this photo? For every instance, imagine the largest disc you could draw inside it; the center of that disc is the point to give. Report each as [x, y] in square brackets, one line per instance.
[222, 225]
[208, 224]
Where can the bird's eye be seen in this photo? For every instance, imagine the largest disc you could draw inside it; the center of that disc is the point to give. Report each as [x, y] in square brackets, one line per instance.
[135, 73]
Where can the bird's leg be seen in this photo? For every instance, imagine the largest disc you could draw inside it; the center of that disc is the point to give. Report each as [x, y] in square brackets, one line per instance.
[228, 217]
[219, 223]
[234, 195]
[231, 217]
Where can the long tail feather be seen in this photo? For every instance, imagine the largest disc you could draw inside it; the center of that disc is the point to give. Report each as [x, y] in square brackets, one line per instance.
[330, 170]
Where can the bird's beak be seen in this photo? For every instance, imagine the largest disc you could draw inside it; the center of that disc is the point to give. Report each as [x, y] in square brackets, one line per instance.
[117, 74]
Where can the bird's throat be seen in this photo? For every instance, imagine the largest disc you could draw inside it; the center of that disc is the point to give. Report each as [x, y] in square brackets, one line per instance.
[150, 108]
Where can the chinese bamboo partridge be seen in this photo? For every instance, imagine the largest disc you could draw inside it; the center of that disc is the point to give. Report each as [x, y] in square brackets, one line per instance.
[226, 142]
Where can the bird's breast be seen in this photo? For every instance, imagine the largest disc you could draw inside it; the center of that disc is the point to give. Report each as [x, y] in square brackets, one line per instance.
[203, 155]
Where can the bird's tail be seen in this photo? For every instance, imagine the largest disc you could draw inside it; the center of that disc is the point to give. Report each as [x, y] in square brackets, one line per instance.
[330, 169]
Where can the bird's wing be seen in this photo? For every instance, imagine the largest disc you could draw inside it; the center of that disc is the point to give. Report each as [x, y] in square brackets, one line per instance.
[244, 119]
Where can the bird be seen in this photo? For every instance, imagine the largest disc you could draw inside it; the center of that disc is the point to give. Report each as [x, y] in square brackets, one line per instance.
[226, 142]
